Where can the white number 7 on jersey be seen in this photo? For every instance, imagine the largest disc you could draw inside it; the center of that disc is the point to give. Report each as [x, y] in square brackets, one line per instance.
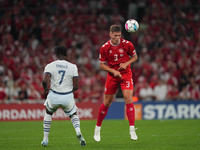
[62, 72]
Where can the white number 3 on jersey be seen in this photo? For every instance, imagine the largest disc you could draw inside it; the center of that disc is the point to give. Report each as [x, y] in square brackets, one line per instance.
[115, 57]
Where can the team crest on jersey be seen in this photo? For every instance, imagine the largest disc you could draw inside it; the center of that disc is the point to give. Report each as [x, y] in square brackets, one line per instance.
[121, 50]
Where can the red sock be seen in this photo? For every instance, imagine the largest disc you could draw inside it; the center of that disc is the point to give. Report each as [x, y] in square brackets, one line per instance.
[130, 111]
[101, 114]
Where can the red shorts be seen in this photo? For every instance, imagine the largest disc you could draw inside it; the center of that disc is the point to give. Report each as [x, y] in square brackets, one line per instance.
[112, 83]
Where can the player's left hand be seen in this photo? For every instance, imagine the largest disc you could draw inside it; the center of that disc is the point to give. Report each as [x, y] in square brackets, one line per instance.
[46, 91]
[122, 66]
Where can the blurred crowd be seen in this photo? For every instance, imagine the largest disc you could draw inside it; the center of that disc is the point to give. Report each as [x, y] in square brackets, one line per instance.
[168, 46]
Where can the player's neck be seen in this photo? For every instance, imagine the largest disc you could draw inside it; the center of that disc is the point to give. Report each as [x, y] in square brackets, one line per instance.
[114, 44]
[62, 58]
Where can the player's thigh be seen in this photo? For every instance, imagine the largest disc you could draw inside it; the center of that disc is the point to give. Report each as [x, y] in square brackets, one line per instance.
[69, 105]
[49, 106]
[111, 85]
[127, 88]
[52, 102]
[65, 101]
[127, 82]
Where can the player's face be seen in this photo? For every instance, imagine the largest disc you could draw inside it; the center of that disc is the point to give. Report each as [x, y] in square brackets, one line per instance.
[115, 37]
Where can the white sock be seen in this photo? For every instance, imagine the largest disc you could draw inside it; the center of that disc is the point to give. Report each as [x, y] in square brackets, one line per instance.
[98, 127]
[46, 125]
[76, 123]
[132, 128]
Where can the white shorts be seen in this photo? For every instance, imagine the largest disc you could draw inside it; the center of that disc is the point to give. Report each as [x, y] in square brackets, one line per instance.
[65, 101]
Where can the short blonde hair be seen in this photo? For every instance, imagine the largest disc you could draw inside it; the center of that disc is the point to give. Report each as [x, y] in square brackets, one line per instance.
[115, 28]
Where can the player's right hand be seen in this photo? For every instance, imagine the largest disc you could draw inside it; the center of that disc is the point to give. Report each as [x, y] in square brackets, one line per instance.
[117, 74]
[122, 66]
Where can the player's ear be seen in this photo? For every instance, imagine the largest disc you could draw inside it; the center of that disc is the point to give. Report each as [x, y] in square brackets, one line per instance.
[110, 34]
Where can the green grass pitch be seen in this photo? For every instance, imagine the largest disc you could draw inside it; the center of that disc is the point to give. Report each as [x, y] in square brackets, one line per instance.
[152, 135]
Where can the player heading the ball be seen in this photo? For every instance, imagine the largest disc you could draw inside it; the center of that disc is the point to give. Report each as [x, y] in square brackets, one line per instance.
[116, 57]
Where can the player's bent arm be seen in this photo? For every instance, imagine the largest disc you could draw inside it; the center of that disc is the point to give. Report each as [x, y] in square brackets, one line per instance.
[75, 84]
[132, 59]
[123, 66]
[104, 67]
[46, 82]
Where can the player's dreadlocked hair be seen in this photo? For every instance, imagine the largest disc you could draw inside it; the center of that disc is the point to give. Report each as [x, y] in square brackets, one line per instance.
[60, 50]
[115, 28]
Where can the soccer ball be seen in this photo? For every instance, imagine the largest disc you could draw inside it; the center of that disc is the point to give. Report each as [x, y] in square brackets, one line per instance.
[131, 25]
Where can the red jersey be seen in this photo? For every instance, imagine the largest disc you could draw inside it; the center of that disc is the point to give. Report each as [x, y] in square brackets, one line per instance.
[116, 54]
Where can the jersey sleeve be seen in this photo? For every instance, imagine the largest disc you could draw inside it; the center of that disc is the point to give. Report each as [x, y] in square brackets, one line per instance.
[47, 69]
[102, 55]
[75, 72]
[131, 49]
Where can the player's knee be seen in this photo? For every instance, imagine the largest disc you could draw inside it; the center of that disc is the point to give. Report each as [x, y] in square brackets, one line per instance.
[128, 100]
[48, 112]
[107, 104]
[72, 115]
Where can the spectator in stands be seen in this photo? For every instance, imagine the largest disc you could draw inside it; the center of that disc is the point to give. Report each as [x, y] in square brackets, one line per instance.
[2, 67]
[33, 93]
[160, 91]
[3, 92]
[97, 93]
[146, 92]
[184, 94]
[14, 91]
[85, 93]
[184, 79]
[28, 33]
[23, 92]
[193, 87]
[173, 93]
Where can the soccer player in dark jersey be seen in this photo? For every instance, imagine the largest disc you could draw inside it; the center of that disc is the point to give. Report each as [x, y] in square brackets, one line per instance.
[115, 57]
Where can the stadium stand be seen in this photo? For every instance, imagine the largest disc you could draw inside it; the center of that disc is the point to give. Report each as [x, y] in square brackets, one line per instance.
[168, 46]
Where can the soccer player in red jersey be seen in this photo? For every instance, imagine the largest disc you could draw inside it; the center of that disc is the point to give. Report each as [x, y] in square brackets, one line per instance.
[115, 57]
